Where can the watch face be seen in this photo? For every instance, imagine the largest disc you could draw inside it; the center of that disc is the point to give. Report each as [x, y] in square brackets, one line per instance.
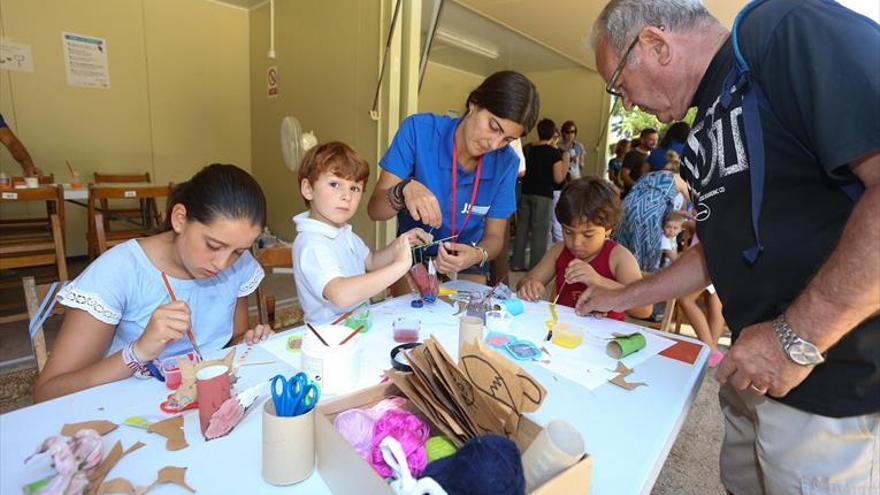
[804, 354]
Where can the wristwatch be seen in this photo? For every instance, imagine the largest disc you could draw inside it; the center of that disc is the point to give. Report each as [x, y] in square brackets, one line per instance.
[800, 351]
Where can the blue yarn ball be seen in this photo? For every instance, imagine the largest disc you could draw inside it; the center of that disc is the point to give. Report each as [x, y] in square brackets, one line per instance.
[486, 465]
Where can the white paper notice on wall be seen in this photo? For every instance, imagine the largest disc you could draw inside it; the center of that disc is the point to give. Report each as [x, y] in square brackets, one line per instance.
[86, 61]
[272, 81]
[16, 56]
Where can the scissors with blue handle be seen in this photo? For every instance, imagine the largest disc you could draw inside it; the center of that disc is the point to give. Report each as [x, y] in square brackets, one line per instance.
[297, 396]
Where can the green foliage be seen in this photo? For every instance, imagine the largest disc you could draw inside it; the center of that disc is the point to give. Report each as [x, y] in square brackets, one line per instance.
[628, 124]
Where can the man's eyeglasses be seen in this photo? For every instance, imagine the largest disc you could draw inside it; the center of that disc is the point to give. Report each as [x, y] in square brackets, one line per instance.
[611, 87]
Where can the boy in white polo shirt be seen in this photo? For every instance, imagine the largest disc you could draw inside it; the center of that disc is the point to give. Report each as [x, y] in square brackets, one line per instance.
[332, 267]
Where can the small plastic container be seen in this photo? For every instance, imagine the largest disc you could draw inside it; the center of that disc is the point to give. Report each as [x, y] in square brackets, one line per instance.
[171, 372]
[407, 329]
[75, 181]
[498, 321]
[32, 182]
[359, 318]
[5, 181]
[565, 335]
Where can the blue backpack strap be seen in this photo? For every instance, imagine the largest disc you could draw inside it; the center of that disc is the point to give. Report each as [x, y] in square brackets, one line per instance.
[739, 81]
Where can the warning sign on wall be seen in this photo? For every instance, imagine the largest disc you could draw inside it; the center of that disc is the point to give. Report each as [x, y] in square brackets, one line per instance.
[272, 81]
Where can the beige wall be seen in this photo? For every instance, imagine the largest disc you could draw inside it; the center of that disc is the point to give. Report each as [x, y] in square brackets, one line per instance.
[178, 96]
[574, 94]
[446, 88]
[327, 58]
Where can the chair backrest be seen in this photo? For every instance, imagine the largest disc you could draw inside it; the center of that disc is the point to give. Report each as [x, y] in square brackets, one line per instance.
[147, 220]
[27, 242]
[121, 178]
[39, 307]
[278, 256]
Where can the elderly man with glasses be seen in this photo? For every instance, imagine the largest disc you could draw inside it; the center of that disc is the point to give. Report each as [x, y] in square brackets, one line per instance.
[784, 165]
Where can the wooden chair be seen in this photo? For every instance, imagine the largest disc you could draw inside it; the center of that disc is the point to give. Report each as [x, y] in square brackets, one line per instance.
[277, 256]
[103, 235]
[126, 209]
[28, 242]
[33, 295]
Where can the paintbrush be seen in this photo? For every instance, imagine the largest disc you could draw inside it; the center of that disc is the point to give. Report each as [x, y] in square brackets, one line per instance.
[497, 285]
[317, 334]
[70, 169]
[553, 313]
[352, 334]
[348, 313]
[438, 241]
[189, 331]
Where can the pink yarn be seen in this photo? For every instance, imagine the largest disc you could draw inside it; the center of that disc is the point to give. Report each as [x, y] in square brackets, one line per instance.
[410, 431]
[356, 427]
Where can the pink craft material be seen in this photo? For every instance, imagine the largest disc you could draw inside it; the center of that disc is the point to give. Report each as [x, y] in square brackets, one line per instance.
[225, 418]
[426, 283]
[410, 431]
[356, 427]
[73, 458]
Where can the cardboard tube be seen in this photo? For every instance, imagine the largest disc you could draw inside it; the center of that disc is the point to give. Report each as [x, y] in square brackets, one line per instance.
[288, 446]
[622, 347]
[555, 449]
[470, 328]
[212, 386]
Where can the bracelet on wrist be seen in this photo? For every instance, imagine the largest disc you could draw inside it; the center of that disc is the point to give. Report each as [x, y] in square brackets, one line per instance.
[132, 361]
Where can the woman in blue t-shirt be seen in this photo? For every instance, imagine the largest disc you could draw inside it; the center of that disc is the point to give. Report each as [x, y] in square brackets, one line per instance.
[473, 199]
[120, 315]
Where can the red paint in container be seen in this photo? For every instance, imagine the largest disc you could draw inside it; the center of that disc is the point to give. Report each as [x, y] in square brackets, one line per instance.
[406, 329]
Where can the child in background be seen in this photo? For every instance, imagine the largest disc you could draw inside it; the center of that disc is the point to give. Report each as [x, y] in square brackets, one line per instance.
[672, 226]
[333, 269]
[588, 209]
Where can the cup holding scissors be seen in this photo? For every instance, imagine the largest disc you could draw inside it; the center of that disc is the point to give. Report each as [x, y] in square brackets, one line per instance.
[297, 395]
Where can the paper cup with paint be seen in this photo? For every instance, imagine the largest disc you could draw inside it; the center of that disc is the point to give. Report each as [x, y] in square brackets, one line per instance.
[288, 446]
[333, 367]
[554, 449]
[212, 385]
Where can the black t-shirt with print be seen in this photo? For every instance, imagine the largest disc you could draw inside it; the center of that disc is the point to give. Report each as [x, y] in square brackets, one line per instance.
[538, 180]
[817, 66]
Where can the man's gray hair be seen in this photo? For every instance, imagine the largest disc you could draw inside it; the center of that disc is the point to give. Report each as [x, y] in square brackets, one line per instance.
[621, 20]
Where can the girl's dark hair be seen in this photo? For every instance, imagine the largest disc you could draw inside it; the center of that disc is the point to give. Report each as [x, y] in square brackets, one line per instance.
[509, 95]
[591, 199]
[219, 190]
[677, 132]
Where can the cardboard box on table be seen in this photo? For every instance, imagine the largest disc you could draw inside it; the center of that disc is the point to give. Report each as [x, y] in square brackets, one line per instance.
[345, 472]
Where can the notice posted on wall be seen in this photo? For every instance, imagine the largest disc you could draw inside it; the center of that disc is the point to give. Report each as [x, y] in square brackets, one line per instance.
[16, 56]
[86, 61]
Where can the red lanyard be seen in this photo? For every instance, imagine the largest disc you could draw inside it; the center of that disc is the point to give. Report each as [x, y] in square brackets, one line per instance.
[454, 212]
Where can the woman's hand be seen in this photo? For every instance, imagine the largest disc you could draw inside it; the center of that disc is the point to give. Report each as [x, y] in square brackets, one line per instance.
[168, 323]
[257, 334]
[579, 271]
[422, 204]
[465, 257]
[531, 290]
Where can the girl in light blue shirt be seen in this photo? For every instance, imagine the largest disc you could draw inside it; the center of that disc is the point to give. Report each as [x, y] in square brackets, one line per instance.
[119, 313]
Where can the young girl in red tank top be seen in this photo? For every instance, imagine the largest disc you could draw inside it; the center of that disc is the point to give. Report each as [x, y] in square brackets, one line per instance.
[588, 209]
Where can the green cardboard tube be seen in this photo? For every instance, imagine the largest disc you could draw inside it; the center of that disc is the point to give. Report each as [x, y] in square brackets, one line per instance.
[622, 347]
